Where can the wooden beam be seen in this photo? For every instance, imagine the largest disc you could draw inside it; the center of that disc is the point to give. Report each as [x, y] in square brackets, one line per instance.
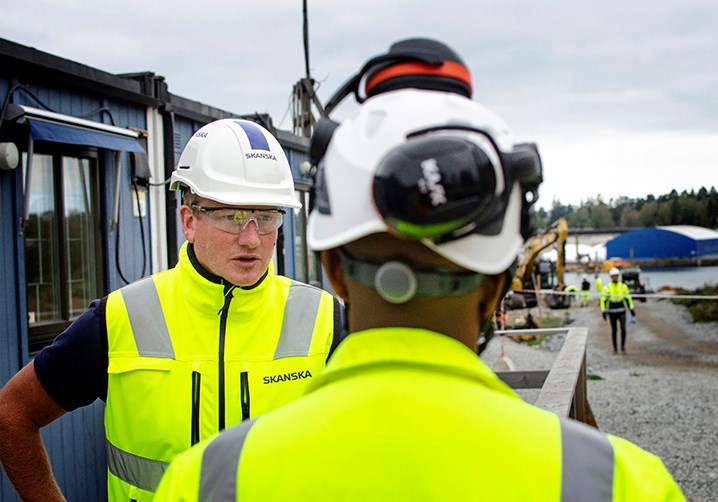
[560, 393]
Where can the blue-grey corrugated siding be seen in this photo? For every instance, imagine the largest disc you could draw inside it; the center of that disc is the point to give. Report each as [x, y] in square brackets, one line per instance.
[76, 446]
[75, 443]
[10, 353]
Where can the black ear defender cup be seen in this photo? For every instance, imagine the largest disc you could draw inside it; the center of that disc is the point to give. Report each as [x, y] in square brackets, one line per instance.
[527, 169]
[441, 186]
[323, 132]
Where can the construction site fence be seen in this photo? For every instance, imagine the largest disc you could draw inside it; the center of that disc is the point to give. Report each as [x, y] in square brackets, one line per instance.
[592, 295]
[563, 387]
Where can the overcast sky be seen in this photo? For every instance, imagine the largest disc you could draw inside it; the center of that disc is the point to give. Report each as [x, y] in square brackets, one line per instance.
[621, 96]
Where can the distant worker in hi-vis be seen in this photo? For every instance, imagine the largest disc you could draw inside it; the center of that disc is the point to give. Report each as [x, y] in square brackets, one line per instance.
[599, 287]
[615, 300]
[180, 355]
[417, 213]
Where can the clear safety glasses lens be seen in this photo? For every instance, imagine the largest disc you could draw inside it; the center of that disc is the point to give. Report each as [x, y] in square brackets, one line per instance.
[235, 221]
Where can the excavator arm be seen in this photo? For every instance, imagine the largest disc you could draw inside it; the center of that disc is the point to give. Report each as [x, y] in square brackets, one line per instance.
[556, 234]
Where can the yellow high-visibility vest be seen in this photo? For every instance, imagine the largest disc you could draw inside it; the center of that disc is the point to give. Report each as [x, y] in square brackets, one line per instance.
[616, 296]
[408, 414]
[189, 357]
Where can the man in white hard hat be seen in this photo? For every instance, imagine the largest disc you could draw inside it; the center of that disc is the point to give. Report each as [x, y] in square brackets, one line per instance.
[417, 215]
[185, 353]
[615, 300]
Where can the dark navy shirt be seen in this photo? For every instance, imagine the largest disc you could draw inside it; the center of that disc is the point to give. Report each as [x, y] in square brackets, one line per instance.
[73, 370]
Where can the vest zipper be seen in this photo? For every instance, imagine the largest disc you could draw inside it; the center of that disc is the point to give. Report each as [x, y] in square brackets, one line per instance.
[244, 394]
[228, 288]
[194, 432]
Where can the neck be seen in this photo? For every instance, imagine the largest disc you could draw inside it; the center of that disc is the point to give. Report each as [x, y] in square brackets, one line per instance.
[450, 317]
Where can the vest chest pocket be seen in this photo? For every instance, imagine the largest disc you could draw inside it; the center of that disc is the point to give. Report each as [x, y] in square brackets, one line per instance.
[126, 364]
[144, 395]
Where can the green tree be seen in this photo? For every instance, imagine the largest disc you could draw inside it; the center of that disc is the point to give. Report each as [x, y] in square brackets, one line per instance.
[601, 217]
[690, 207]
[580, 218]
[664, 215]
[647, 214]
[630, 217]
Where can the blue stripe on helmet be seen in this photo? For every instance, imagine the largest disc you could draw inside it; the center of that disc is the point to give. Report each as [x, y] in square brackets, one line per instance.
[256, 138]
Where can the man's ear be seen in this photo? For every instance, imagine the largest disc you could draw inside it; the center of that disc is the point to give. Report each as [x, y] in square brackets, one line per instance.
[332, 263]
[188, 220]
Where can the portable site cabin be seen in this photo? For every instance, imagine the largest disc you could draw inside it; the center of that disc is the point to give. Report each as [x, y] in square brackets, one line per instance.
[84, 210]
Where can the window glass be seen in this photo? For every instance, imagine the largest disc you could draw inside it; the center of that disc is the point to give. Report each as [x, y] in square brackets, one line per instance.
[41, 263]
[61, 248]
[79, 243]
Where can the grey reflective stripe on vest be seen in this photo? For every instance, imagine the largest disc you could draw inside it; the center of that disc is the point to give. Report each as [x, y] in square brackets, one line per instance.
[220, 461]
[147, 319]
[300, 315]
[138, 471]
[587, 458]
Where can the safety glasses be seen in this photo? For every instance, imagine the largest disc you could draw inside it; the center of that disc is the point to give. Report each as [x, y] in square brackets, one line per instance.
[236, 220]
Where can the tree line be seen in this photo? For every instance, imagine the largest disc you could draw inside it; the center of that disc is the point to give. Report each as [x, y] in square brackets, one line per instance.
[686, 208]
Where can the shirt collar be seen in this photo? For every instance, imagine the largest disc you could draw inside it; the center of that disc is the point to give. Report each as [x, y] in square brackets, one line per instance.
[370, 350]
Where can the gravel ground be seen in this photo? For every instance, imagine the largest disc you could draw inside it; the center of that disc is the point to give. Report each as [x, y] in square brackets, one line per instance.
[662, 394]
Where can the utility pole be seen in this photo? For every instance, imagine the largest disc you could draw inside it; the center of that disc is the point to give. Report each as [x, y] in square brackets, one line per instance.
[303, 92]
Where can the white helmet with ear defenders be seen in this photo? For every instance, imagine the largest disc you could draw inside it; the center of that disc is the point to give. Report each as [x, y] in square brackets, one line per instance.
[431, 166]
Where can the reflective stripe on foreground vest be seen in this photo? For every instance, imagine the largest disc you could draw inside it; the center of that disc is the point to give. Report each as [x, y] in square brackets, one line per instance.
[138, 471]
[587, 464]
[220, 462]
[153, 339]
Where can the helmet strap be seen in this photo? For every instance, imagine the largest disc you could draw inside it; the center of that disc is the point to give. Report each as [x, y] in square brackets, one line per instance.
[397, 282]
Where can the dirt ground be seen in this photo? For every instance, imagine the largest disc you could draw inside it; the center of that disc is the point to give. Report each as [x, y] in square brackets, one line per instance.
[663, 393]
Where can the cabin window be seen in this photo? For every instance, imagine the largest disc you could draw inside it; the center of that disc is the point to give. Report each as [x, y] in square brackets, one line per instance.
[63, 259]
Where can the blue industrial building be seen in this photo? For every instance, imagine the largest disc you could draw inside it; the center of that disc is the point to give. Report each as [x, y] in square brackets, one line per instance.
[84, 209]
[672, 242]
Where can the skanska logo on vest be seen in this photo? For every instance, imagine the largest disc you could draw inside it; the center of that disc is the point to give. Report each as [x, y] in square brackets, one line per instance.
[286, 377]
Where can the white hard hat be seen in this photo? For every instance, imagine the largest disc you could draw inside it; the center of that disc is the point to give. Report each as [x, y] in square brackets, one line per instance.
[430, 184]
[236, 162]
[614, 271]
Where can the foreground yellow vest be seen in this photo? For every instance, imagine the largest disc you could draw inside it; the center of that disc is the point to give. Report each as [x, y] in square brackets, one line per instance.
[188, 357]
[406, 414]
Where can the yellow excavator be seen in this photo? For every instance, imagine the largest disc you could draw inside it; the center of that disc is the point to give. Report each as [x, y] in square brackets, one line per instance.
[533, 274]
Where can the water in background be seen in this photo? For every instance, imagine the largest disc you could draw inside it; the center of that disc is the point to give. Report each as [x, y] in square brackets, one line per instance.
[685, 277]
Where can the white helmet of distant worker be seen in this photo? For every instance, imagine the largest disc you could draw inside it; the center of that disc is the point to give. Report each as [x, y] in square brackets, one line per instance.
[431, 166]
[614, 272]
[236, 162]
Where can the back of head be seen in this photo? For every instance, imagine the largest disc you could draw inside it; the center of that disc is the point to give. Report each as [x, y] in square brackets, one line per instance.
[236, 162]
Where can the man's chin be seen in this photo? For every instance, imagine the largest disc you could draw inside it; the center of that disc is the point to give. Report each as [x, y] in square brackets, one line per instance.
[245, 277]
